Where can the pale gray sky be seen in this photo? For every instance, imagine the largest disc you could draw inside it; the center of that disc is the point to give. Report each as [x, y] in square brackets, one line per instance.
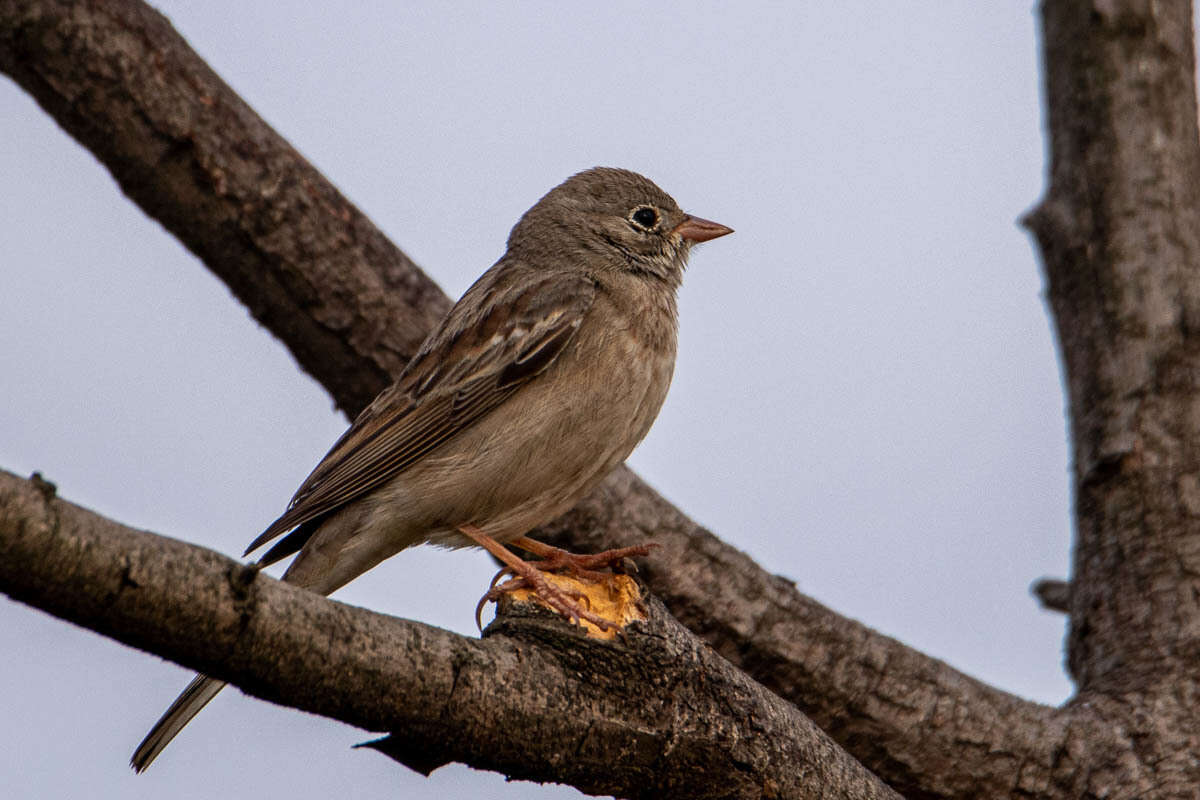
[867, 398]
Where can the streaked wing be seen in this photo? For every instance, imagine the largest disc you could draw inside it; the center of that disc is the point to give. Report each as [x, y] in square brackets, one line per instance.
[507, 329]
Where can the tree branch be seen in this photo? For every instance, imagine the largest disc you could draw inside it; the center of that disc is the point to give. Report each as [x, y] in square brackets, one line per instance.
[655, 714]
[1119, 231]
[905, 715]
[1119, 234]
[182, 145]
[1053, 593]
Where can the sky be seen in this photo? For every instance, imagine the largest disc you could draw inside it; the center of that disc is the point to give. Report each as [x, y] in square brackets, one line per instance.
[867, 398]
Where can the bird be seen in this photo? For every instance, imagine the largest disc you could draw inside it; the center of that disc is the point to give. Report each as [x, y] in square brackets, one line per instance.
[539, 381]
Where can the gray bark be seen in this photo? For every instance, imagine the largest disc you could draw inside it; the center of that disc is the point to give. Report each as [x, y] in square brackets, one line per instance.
[653, 714]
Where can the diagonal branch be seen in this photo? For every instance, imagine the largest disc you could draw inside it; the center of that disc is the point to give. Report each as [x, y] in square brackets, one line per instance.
[533, 699]
[182, 145]
[907, 716]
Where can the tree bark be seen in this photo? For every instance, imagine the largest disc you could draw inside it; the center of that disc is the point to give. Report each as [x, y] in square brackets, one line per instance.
[653, 714]
[181, 144]
[1119, 232]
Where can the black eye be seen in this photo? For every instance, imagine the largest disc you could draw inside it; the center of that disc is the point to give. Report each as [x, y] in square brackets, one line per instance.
[645, 217]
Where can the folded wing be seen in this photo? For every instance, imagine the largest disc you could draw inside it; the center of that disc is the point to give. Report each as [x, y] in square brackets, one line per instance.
[467, 368]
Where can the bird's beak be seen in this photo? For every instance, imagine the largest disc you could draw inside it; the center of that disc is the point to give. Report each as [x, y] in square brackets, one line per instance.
[695, 229]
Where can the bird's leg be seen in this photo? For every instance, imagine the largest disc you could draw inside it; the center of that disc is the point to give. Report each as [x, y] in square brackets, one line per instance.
[527, 576]
[580, 565]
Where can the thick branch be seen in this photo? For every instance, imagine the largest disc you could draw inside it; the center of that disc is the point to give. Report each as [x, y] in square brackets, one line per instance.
[926, 728]
[310, 267]
[1119, 231]
[654, 714]
[865, 688]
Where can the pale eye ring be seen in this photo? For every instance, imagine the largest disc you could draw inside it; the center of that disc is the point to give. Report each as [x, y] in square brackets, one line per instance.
[644, 217]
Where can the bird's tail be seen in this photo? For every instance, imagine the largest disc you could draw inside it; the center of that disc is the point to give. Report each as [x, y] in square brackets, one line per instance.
[187, 705]
[322, 569]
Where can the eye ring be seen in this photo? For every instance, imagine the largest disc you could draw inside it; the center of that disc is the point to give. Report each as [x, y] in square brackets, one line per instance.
[644, 217]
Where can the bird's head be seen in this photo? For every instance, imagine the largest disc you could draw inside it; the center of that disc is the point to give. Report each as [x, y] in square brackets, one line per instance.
[611, 219]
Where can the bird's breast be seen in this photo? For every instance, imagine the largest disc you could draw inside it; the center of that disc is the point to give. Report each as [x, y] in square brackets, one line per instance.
[561, 434]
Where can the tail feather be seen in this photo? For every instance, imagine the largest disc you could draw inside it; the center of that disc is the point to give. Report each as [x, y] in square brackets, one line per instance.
[187, 705]
[326, 562]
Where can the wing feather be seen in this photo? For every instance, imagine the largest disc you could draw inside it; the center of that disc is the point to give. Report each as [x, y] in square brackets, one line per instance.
[505, 331]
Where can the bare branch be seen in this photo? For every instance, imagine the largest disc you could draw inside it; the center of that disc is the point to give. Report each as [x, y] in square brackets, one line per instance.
[903, 714]
[1053, 593]
[654, 714]
[1119, 231]
[1119, 236]
[183, 146]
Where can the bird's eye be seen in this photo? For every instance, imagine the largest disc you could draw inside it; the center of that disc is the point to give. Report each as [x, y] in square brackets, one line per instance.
[645, 217]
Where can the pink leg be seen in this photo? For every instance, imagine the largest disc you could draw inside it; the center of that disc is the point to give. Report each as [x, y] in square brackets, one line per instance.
[527, 576]
[583, 566]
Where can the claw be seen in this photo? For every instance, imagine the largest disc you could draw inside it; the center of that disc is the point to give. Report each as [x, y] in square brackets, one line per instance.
[479, 613]
[494, 592]
[496, 578]
[531, 575]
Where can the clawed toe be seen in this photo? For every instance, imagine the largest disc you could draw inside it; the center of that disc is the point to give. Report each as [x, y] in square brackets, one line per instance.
[554, 559]
[531, 575]
[567, 603]
[496, 578]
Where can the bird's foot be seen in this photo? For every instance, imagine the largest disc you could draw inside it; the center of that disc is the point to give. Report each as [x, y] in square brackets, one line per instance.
[565, 602]
[529, 577]
[618, 596]
[583, 565]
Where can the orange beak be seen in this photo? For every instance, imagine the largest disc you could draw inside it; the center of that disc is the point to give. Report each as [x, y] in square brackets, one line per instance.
[695, 229]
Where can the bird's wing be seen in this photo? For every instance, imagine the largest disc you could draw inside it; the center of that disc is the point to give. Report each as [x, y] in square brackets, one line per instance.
[502, 333]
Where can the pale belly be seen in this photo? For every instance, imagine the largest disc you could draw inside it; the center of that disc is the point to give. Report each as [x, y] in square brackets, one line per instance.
[507, 476]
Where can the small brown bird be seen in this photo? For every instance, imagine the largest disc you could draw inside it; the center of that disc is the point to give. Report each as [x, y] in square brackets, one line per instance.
[539, 381]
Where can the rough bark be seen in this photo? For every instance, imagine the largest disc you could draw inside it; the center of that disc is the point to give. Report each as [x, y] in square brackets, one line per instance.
[926, 728]
[182, 145]
[654, 714]
[1119, 232]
